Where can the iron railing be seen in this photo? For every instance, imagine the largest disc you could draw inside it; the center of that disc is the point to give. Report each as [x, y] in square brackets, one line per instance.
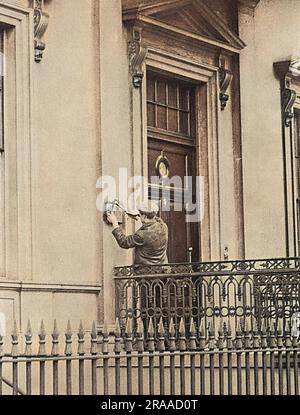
[255, 290]
[240, 362]
[46, 368]
[231, 362]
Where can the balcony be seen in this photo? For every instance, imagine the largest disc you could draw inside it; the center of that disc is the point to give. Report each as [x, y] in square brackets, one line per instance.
[256, 293]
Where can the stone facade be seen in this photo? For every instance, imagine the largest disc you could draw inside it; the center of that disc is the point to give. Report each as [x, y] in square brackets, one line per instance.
[76, 116]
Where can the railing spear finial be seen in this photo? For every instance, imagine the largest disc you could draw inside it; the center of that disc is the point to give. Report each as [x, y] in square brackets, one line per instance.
[255, 335]
[28, 340]
[140, 335]
[105, 338]
[220, 342]
[202, 335]
[263, 336]
[193, 338]
[42, 340]
[172, 345]
[247, 335]
[211, 336]
[140, 327]
[272, 339]
[287, 336]
[93, 339]
[128, 336]
[263, 326]
[151, 346]
[117, 343]
[68, 336]
[229, 341]
[80, 336]
[238, 337]
[182, 336]
[295, 336]
[117, 328]
[279, 335]
[128, 329]
[55, 341]
[161, 336]
[15, 341]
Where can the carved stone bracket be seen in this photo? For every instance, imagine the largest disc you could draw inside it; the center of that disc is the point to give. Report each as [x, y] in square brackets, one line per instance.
[289, 73]
[41, 21]
[288, 99]
[137, 53]
[225, 79]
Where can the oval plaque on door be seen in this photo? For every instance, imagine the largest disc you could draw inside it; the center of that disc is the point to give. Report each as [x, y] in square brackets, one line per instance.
[162, 167]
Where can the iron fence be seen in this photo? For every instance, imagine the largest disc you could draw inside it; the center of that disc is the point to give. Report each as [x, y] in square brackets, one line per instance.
[44, 368]
[255, 290]
[262, 361]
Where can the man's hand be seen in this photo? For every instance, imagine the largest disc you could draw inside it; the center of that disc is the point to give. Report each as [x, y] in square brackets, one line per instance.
[111, 217]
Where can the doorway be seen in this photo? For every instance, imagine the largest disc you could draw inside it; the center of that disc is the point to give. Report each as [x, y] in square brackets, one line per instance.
[172, 157]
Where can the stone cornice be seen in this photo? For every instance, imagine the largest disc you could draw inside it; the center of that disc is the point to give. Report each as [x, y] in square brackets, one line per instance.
[149, 7]
[142, 13]
[139, 5]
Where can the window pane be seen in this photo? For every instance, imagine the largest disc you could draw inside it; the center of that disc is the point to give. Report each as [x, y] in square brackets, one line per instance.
[173, 108]
[162, 117]
[184, 123]
[172, 95]
[150, 89]
[183, 99]
[151, 115]
[161, 92]
[173, 120]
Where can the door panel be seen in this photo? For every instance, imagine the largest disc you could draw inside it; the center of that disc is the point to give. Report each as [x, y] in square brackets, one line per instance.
[182, 235]
[178, 235]
[179, 157]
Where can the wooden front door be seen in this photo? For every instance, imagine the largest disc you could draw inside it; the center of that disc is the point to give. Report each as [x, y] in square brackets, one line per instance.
[172, 153]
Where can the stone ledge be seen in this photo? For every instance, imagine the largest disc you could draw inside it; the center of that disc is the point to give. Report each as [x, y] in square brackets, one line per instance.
[49, 287]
